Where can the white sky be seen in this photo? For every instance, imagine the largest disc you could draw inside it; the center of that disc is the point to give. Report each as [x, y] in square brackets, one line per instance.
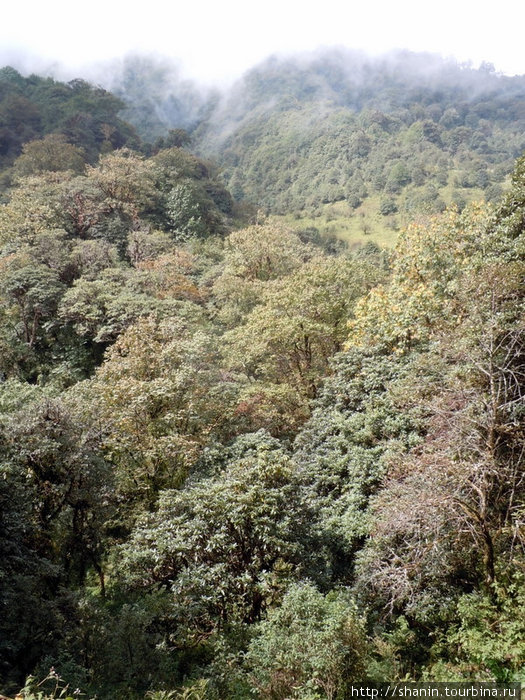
[216, 40]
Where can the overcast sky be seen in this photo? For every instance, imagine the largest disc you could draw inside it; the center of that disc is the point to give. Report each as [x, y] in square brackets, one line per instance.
[218, 40]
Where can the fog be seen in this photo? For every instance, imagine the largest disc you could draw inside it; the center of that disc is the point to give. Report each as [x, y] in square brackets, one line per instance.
[161, 96]
[215, 43]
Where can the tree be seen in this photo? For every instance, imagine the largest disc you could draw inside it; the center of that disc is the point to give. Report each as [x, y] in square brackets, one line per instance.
[82, 207]
[450, 507]
[184, 213]
[264, 252]
[52, 153]
[56, 495]
[32, 208]
[300, 324]
[125, 180]
[162, 398]
[253, 256]
[344, 450]
[487, 641]
[428, 259]
[102, 308]
[310, 646]
[224, 546]
[32, 293]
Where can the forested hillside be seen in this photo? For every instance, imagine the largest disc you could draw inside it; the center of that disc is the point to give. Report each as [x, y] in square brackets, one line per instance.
[384, 138]
[242, 460]
[339, 141]
[76, 122]
[156, 97]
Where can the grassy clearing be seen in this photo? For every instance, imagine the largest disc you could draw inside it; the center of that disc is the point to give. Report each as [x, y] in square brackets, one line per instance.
[366, 223]
[357, 227]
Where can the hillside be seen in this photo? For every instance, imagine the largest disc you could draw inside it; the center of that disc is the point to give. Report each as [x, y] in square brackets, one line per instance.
[82, 115]
[352, 145]
[240, 459]
[381, 139]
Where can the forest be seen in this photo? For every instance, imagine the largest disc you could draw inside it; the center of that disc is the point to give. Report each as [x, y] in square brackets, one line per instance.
[248, 450]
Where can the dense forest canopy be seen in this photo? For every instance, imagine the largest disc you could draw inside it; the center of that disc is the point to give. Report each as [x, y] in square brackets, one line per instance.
[33, 107]
[240, 458]
[404, 133]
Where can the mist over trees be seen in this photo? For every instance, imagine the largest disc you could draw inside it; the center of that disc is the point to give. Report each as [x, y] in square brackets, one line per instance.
[413, 131]
[157, 98]
[240, 458]
[340, 140]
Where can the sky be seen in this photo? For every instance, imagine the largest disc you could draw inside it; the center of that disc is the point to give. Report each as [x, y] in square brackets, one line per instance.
[215, 41]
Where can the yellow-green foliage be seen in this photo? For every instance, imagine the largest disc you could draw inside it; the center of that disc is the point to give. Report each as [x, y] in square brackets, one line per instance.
[429, 258]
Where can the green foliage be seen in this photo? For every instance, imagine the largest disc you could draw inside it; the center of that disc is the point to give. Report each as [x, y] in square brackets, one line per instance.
[161, 398]
[68, 241]
[224, 547]
[291, 335]
[264, 252]
[386, 127]
[487, 641]
[253, 256]
[104, 307]
[191, 201]
[429, 258]
[387, 206]
[55, 492]
[52, 153]
[195, 691]
[49, 448]
[45, 111]
[511, 210]
[449, 508]
[212, 442]
[184, 213]
[52, 687]
[345, 448]
[32, 293]
[311, 646]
